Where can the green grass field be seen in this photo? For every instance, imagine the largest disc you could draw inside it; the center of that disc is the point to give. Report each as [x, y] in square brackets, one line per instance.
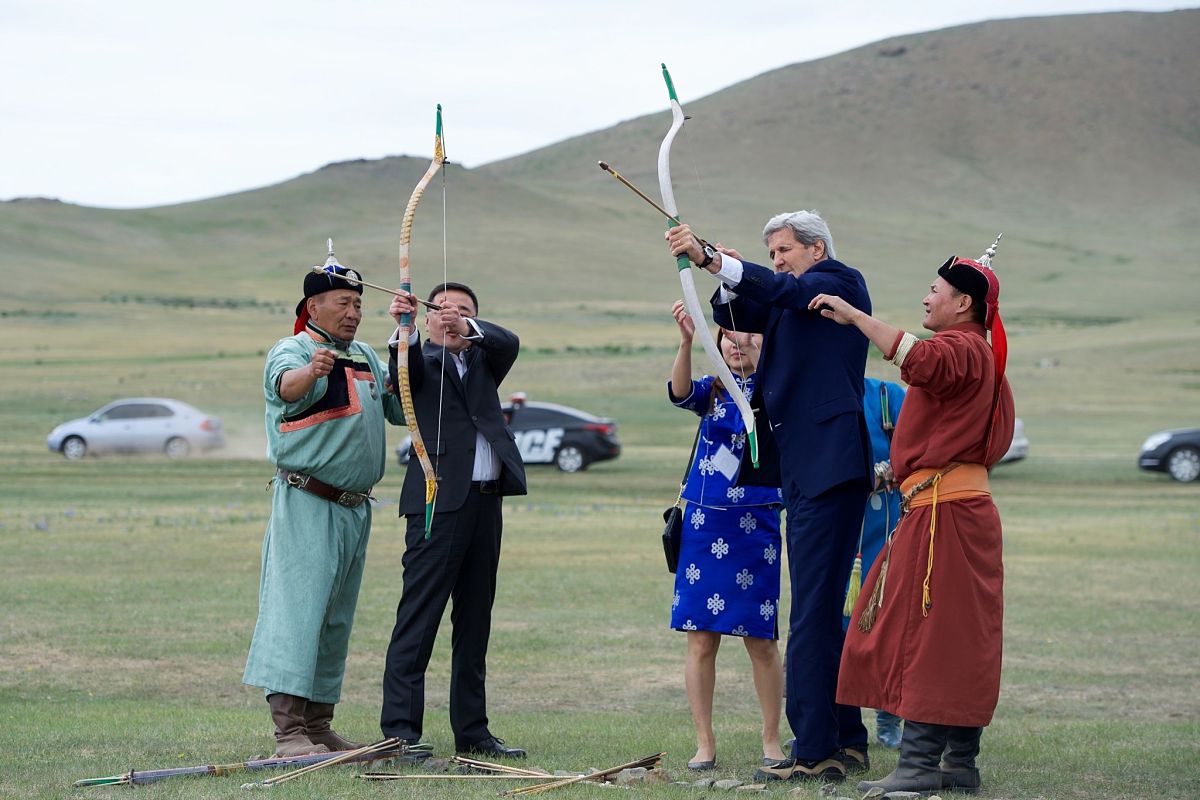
[129, 584]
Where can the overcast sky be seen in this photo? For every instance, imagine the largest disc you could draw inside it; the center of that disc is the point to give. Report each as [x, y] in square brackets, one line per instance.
[128, 103]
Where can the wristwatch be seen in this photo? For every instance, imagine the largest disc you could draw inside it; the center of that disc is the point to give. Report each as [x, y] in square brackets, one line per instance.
[709, 255]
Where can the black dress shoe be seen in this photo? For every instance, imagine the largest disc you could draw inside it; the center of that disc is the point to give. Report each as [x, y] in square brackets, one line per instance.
[492, 746]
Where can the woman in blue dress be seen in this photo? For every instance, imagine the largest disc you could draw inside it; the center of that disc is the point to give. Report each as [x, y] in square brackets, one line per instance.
[727, 582]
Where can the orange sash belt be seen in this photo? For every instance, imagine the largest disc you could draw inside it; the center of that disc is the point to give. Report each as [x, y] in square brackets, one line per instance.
[927, 487]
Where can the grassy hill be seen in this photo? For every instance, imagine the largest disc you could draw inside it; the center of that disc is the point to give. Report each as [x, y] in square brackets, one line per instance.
[1071, 116]
[1075, 135]
[1079, 137]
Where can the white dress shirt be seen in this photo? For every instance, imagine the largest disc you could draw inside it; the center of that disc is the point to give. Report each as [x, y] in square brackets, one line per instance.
[730, 275]
[487, 463]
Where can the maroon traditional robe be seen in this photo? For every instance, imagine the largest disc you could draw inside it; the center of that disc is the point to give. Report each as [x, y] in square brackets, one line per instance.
[943, 668]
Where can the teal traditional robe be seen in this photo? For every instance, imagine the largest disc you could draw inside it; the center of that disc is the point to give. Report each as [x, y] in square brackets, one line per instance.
[314, 550]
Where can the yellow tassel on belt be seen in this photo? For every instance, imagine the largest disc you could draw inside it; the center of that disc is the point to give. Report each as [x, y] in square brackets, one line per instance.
[926, 600]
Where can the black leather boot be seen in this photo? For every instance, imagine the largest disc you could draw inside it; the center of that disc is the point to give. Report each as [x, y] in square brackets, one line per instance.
[290, 739]
[316, 724]
[918, 769]
[959, 772]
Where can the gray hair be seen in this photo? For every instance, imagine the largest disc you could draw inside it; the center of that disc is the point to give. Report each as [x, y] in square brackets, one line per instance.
[806, 226]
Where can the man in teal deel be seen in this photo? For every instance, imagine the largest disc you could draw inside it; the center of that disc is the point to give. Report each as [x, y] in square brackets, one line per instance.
[326, 406]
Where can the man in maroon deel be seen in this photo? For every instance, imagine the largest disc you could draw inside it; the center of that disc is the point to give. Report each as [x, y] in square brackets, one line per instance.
[925, 637]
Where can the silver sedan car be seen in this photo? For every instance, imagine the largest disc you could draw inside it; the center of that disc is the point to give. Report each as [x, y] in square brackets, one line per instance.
[138, 425]
[1019, 449]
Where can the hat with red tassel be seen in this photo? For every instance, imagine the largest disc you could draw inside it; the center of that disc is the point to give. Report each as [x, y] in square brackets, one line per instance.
[326, 280]
[979, 280]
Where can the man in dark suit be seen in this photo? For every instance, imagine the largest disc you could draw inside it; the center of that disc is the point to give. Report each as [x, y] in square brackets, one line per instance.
[812, 391]
[454, 379]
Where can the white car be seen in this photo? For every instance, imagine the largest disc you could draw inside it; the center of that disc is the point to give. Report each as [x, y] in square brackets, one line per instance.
[138, 425]
[1019, 449]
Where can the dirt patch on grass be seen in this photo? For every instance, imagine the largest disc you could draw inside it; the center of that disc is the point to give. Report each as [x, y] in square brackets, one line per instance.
[40, 667]
[1151, 698]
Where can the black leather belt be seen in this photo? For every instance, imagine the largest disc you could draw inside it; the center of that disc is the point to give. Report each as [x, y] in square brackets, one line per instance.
[486, 487]
[323, 490]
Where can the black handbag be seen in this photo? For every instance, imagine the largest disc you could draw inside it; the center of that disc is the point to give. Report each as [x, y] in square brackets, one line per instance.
[672, 536]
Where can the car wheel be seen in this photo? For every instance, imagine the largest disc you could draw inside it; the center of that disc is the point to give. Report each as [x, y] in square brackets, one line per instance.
[1184, 464]
[177, 447]
[569, 458]
[74, 448]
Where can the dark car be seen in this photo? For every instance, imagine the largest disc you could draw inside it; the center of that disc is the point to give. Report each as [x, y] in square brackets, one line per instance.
[549, 433]
[1176, 453]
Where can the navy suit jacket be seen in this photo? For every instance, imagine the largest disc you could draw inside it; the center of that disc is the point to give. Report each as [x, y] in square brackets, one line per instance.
[468, 405]
[810, 373]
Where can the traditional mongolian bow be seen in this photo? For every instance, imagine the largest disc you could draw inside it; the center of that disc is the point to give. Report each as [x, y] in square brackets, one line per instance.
[407, 325]
[690, 300]
[139, 777]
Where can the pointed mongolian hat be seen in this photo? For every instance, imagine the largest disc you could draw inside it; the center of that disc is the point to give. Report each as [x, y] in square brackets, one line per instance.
[325, 280]
[978, 279]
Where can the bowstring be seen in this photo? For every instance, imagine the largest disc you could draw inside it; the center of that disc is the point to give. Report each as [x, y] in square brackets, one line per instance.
[695, 168]
[445, 279]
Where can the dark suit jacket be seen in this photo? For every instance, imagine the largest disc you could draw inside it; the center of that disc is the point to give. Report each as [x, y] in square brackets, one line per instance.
[810, 372]
[468, 405]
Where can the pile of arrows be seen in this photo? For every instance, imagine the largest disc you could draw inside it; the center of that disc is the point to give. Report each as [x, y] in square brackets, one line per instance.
[484, 770]
[387, 748]
[474, 770]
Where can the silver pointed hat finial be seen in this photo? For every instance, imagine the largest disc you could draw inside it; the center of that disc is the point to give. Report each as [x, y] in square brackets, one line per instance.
[331, 260]
[988, 255]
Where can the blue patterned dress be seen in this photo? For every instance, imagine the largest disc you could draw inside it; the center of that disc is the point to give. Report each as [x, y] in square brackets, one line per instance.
[728, 575]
